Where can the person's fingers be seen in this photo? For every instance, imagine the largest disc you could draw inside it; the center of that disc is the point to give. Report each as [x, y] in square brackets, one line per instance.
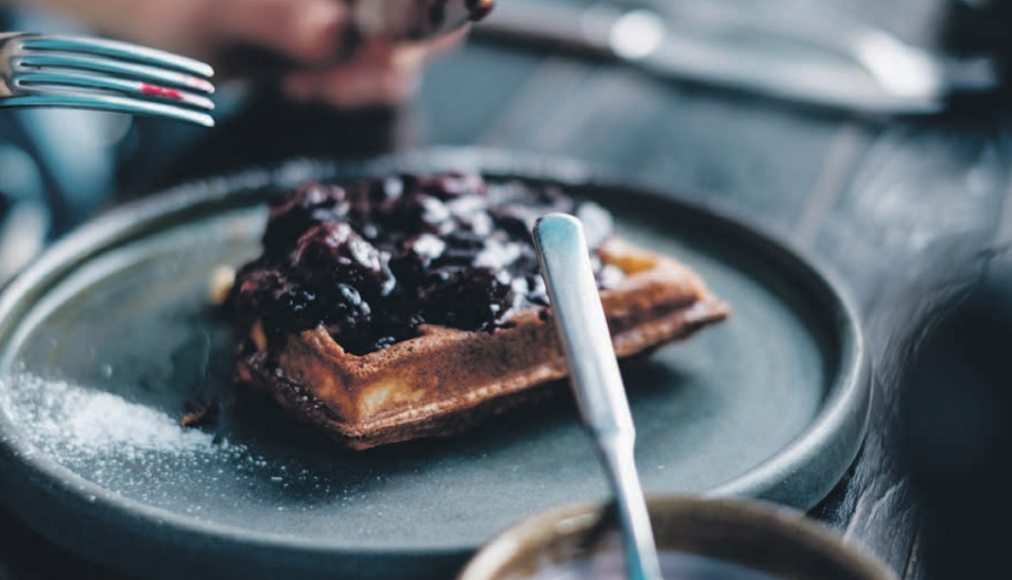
[362, 82]
[348, 88]
[380, 73]
[415, 56]
[305, 30]
[447, 43]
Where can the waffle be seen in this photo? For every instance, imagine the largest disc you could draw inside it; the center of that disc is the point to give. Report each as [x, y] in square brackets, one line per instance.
[445, 380]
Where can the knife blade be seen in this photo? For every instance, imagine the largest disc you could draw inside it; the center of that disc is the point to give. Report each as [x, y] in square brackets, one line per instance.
[827, 62]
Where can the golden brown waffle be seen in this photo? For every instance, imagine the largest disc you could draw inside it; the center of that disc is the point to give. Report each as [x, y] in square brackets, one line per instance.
[447, 379]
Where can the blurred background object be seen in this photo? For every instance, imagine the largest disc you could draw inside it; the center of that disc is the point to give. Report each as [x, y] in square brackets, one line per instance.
[906, 57]
[957, 435]
[977, 27]
[60, 167]
[816, 54]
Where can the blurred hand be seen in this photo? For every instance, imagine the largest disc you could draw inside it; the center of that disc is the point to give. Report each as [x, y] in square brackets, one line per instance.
[308, 32]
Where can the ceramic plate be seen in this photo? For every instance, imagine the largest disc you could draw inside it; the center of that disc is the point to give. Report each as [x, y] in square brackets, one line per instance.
[110, 334]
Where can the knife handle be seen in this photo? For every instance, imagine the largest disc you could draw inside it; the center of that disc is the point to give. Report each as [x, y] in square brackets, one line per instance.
[583, 328]
[593, 368]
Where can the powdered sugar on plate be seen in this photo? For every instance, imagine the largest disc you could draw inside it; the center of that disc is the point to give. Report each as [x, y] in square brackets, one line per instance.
[94, 422]
[142, 452]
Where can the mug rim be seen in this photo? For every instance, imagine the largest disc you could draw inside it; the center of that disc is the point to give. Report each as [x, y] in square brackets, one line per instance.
[533, 534]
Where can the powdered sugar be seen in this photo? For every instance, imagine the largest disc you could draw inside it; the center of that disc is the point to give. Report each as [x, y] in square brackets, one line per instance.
[92, 421]
[139, 451]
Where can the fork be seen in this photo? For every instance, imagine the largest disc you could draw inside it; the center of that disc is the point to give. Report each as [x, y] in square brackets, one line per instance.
[38, 70]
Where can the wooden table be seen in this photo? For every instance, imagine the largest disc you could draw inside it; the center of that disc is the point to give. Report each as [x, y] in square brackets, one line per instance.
[908, 212]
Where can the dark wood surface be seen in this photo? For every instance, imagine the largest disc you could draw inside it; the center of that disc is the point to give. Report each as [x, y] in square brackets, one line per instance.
[908, 212]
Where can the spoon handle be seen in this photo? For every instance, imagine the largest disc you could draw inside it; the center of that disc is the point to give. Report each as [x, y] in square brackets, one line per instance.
[597, 383]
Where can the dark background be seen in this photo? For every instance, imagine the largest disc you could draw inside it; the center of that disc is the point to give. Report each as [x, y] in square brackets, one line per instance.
[915, 214]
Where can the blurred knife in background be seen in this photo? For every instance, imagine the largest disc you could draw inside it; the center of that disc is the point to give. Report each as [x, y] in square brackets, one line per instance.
[821, 58]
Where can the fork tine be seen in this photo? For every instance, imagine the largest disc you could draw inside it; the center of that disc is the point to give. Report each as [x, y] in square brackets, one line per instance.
[32, 81]
[118, 50]
[109, 103]
[109, 66]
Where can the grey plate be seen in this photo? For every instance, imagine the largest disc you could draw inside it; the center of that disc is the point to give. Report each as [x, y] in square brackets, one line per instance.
[110, 333]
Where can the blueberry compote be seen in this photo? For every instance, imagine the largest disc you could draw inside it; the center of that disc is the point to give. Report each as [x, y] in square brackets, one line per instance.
[373, 261]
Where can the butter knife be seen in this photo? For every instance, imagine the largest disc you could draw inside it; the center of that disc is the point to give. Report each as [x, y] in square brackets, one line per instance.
[593, 368]
[826, 61]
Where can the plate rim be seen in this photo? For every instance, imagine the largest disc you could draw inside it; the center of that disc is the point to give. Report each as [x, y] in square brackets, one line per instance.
[846, 406]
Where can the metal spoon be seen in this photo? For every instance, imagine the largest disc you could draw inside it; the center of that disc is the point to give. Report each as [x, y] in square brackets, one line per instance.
[600, 394]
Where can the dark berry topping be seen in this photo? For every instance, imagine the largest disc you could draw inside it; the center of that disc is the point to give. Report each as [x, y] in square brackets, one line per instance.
[373, 261]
